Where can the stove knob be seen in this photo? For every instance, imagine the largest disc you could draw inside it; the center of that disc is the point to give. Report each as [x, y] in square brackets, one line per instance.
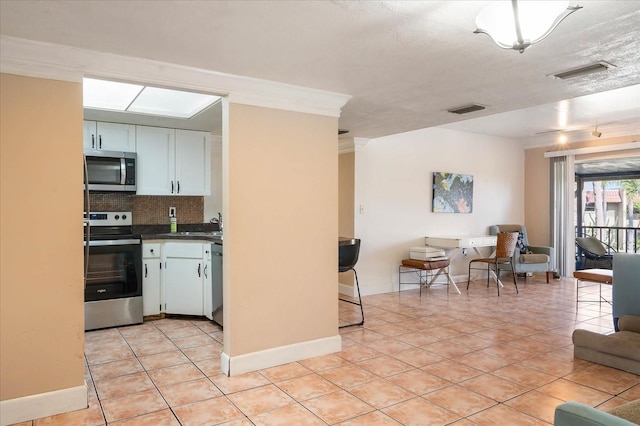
[124, 216]
[116, 217]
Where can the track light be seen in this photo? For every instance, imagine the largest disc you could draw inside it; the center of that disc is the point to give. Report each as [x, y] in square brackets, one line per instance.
[596, 133]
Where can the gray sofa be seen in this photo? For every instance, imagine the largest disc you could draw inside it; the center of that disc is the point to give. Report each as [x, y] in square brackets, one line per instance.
[626, 285]
[619, 350]
[575, 414]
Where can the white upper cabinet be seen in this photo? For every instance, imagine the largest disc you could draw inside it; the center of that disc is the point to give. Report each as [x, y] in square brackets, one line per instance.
[109, 136]
[173, 162]
[193, 163]
[155, 163]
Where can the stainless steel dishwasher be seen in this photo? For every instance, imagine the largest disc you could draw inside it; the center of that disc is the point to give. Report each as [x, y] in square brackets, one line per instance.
[216, 282]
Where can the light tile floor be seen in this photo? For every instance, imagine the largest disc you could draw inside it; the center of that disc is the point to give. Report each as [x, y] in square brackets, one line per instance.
[420, 359]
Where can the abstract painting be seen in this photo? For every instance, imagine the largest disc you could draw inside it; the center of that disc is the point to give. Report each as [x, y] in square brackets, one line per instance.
[452, 193]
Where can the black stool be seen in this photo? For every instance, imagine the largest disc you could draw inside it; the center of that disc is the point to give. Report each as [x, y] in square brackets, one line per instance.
[348, 252]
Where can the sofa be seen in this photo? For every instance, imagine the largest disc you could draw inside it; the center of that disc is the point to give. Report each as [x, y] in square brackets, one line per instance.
[576, 414]
[626, 286]
[619, 350]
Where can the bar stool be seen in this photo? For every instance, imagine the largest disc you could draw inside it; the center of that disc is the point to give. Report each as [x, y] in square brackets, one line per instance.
[348, 252]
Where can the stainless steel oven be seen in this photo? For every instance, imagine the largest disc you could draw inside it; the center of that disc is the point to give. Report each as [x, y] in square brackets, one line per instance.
[113, 282]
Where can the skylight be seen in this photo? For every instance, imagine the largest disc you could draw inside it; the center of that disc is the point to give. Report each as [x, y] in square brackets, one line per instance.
[125, 97]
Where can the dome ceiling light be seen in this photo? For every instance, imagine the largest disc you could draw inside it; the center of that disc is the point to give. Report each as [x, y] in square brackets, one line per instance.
[519, 24]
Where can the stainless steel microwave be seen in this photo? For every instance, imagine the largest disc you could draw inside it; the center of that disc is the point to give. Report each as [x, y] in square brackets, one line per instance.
[110, 171]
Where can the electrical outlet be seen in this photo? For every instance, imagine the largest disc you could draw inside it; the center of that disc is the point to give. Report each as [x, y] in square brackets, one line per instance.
[172, 211]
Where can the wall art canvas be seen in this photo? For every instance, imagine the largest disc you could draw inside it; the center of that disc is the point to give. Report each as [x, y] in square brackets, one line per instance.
[452, 193]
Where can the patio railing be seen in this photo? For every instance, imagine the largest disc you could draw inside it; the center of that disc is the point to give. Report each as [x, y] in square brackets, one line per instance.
[620, 238]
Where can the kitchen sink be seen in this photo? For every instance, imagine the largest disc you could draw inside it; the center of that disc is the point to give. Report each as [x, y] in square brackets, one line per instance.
[194, 234]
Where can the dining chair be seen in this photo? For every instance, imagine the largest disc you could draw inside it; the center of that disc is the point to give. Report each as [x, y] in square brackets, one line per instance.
[505, 246]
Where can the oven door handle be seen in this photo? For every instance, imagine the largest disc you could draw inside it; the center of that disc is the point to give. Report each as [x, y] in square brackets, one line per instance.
[113, 243]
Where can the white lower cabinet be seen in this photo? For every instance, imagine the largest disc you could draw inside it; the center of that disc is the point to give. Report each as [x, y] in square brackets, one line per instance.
[183, 292]
[176, 278]
[151, 279]
[184, 277]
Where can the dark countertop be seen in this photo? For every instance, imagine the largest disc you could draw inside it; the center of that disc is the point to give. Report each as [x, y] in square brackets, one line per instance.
[197, 231]
[182, 235]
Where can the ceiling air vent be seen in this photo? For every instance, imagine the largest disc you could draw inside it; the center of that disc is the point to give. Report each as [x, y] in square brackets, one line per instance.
[587, 69]
[466, 109]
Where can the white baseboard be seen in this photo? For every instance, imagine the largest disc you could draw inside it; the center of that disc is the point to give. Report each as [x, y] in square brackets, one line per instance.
[43, 404]
[224, 363]
[347, 290]
[233, 366]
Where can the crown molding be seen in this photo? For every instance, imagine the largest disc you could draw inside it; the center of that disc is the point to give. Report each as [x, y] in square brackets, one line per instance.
[346, 145]
[60, 62]
[581, 135]
[594, 149]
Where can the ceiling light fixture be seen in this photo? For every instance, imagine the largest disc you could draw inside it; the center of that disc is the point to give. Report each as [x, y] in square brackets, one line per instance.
[562, 138]
[522, 23]
[135, 98]
[596, 133]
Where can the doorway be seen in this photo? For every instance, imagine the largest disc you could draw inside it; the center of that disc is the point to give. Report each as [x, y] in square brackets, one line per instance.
[607, 206]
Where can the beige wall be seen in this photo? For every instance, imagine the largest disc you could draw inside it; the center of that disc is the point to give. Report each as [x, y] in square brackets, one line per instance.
[536, 201]
[41, 254]
[281, 228]
[346, 187]
[537, 174]
[346, 194]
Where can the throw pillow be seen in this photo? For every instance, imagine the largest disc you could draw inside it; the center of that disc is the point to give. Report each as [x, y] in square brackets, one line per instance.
[520, 244]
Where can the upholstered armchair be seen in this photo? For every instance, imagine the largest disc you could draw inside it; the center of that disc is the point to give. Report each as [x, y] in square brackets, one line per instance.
[528, 258]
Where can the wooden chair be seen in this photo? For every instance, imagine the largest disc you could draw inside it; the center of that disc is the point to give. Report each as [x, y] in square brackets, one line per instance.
[505, 246]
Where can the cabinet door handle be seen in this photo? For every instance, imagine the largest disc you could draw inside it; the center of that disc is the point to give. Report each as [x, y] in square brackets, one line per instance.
[93, 141]
[172, 187]
[145, 270]
[205, 271]
[199, 275]
[100, 142]
[178, 187]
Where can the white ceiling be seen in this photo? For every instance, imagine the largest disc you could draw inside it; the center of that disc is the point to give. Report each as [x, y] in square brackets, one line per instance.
[404, 62]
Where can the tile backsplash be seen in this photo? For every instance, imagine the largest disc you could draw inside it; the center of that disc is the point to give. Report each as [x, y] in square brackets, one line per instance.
[150, 209]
